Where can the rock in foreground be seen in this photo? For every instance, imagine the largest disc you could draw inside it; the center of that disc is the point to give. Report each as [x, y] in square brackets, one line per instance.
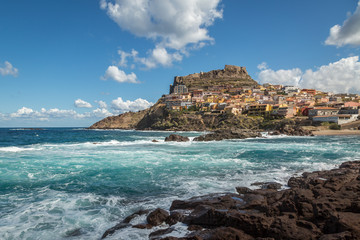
[320, 205]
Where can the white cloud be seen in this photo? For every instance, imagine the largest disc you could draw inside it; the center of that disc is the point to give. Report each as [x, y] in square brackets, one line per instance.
[157, 56]
[113, 72]
[283, 77]
[262, 66]
[79, 103]
[100, 113]
[175, 26]
[348, 33]
[124, 56]
[102, 104]
[8, 69]
[342, 76]
[54, 113]
[124, 106]
[44, 114]
[22, 112]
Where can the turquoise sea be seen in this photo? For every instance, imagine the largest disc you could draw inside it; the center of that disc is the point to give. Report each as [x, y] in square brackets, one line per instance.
[65, 183]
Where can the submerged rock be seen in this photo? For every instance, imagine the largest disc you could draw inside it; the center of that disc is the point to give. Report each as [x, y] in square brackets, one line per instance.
[176, 138]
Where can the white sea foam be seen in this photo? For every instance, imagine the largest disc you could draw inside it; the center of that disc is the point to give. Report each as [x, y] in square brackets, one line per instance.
[16, 149]
[159, 172]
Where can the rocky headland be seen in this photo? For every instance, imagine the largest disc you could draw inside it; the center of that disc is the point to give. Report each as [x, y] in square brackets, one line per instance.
[231, 76]
[158, 117]
[319, 205]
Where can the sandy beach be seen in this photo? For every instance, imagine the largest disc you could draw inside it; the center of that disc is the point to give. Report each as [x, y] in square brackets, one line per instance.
[336, 132]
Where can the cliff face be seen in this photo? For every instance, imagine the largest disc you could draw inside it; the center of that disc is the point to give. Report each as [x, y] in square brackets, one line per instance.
[127, 120]
[158, 118]
[229, 76]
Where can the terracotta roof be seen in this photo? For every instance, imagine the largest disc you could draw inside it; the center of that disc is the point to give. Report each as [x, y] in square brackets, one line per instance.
[325, 108]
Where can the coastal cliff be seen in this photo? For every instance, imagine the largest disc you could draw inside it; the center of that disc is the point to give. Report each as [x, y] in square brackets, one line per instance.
[127, 120]
[158, 117]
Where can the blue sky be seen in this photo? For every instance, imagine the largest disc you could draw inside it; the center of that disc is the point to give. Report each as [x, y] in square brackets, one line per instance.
[71, 63]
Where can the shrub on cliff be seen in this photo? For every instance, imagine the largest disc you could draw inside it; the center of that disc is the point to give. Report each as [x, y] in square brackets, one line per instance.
[334, 126]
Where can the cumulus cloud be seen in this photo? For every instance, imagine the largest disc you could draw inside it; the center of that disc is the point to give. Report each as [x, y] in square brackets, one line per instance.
[113, 72]
[102, 104]
[175, 26]
[100, 113]
[8, 69]
[120, 105]
[342, 76]
[283, 77]
[44, 114]
[348, 33]
[157, 56]
[54, 113]
[79, 103]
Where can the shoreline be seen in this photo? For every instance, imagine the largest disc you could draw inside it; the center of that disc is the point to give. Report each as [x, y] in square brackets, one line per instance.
[345, 132]
[336, 133]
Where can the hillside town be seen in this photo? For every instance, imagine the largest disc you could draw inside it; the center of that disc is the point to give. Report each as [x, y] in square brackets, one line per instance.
[267, 100]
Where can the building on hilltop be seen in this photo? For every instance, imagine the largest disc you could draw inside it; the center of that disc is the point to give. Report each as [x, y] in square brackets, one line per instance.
[180, 89]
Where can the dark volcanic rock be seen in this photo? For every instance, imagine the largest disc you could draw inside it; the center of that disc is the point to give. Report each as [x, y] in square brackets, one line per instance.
[292, 130]
[111, 231]
[174, 218]
[219, 135]
[267, 185]
[320, 205]
[176, 138]
[124, 223]
[157, 217]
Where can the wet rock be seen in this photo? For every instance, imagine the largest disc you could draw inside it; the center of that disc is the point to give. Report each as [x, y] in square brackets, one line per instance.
[320, 205]
[219, 201]
[134, 215]
[174, 218]
[143, 226]
[219, 135]
[124, 223]
[154, 140]
[275, 133]
[337, 236]
[195, 228]
[159, 233]
[73, 233]
[176, 138]
[222, 233]
[243, 190]
[112, 230]
[267, 185]
[157, 217]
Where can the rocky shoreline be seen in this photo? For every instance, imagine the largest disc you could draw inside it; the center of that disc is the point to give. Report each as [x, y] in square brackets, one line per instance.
[319, 205]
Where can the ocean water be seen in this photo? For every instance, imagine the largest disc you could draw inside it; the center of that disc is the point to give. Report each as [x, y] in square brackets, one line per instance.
[74, 183]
